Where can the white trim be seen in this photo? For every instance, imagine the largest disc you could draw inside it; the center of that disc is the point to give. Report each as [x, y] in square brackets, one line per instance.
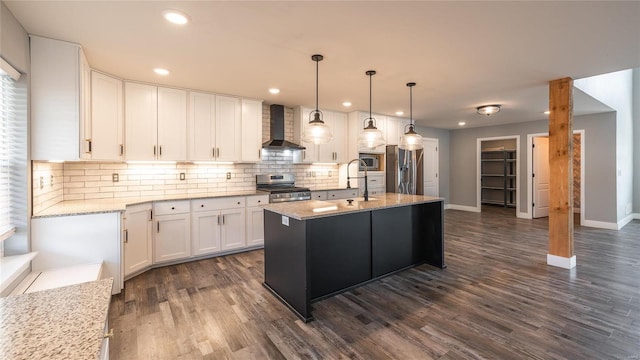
[12, 268]
[7, 233]
[622, 223]
[479, 168]
[636, 216]
[463, 208]
[523, 215]
[562, 262]
[601, 224]
[6, 68]
[583, 163]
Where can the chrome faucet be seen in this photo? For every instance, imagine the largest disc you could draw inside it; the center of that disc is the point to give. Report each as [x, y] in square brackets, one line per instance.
[366, 189]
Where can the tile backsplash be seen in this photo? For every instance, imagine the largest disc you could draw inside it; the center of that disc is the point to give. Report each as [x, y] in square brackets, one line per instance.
[55, 182]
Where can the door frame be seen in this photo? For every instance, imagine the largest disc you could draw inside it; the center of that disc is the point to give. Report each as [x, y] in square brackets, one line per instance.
[583, 162]
[479, 169]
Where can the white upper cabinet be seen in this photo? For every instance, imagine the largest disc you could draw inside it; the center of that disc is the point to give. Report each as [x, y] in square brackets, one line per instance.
[214, 127]
[395, 128]
[155, 122]
[334, 151]
[356, 126]
[251, 130]
[107, 121]
[60, 100]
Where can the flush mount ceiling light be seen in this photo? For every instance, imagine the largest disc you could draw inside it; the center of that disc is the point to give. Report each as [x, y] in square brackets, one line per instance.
[346, 103]
[399, 113]
[176, 17]
[316, 131]
[488, 109]
[411, 140]
[161, 71]
[461, 123]
[274, 91]
[370, 137]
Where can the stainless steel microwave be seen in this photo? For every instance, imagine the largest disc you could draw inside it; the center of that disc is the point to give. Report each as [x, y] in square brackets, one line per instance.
[371, 160]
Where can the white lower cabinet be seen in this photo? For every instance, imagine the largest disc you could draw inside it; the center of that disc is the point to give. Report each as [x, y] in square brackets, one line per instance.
[255, 220]
[319, 195]
[218, 224]
[137, 250]
[172, 239]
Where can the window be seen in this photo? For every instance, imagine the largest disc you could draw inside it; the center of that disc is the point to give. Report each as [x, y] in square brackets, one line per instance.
[11, 126]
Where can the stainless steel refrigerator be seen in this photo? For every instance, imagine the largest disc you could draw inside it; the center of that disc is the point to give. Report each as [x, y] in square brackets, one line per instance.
[404, 170]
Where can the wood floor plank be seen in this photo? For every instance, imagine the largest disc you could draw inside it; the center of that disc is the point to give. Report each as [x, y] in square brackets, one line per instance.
[497, 299]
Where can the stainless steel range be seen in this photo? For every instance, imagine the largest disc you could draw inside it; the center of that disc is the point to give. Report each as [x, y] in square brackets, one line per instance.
[281, 188]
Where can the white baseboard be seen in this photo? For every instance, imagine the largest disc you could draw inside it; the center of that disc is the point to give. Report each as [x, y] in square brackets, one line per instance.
[462, 208]
[636, 216]
[626, 220]
[524, 215]
[562, 262]
[600, 224]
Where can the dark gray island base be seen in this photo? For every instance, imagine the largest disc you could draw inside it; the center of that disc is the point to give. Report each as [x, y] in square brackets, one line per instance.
[313, 257]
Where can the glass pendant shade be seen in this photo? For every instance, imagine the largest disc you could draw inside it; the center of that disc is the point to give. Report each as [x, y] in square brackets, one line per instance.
[371, 137]
[316, 131]
[411, 140]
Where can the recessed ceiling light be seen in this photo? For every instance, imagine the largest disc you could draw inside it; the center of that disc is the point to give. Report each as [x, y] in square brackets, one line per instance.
[547, 112]
[399, 113]
[176, 17]
[346, 103]
[461, 123]
[161, 71]
[274, 91]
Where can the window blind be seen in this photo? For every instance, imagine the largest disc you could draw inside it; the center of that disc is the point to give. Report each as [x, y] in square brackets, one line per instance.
[10, 149]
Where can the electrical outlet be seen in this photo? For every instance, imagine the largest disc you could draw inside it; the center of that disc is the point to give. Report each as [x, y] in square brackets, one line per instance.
[228, 175]
[41, 182]
[115, 177]
[182, 176]
[329, 173]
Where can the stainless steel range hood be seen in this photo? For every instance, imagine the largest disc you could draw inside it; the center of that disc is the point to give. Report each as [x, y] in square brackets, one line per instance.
[277, 141]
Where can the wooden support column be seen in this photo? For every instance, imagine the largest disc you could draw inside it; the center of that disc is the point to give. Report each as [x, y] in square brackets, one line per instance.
[561, 174]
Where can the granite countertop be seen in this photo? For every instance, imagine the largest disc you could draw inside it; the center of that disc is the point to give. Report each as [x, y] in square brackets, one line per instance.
[334, 189]
[61, 323]
[80, 207]
[311, 209]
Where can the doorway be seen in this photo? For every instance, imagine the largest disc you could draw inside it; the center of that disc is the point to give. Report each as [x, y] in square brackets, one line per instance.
[497, 174]
[538, 174]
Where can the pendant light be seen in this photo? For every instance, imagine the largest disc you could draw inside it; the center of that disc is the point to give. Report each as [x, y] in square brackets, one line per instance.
[316, 131]
[411, 140]
[370, 137]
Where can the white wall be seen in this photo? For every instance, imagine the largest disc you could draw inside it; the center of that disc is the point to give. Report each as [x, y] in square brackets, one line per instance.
[616, 90]
[636, 142]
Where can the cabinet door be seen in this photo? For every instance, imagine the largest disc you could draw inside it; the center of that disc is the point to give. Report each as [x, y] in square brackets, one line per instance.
[232, 235]
[228, 125]
[342, 194]
[172, 238]
[86, 127]
[340, 137]
[318, 195]
[380, 123]
[251, 130]
[172, 124]
[255, 226]
[205, 232]
[55, 99]
[141, 120]
[106, 117]
[202, 126]
[137, 238]
[310, 154]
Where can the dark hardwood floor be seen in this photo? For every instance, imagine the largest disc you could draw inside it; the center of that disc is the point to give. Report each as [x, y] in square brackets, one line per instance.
[496, 300]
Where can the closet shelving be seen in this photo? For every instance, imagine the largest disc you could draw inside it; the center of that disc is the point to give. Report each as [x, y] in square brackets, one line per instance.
[498, 177]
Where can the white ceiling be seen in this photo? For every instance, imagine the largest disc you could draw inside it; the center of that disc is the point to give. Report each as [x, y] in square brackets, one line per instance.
[460, 54]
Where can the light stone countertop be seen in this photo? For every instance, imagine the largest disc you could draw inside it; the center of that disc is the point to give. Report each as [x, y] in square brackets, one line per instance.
[61, 323]
[95, 206]
[312, 209]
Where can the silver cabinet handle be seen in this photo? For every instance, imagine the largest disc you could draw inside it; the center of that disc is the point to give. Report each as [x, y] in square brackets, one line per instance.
[150, 215]
[158, 226]
[213, 153]
[222, 219]
[126, 236]
[154, 150]
[121, 149]
[218, 153]
[89, 141]
[218, 219]
[160, 150]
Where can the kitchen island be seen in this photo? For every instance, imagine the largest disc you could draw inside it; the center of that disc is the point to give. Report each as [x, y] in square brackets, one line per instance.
[315, 249]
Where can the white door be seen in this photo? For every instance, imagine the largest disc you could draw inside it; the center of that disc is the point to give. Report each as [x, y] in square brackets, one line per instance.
[228, 125]
[172, 237]
[232, 229]
[137, 238]
[255, 226]
[106, 117]
[205, 232]
[540, 176]
[141, 121]
[430, 166]
[172, 124]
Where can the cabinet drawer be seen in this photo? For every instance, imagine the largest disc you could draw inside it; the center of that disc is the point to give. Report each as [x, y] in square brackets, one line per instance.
[376, 181]
[318, 195]
[218, 203]
[171, 207]
[257, 200]
[342, 194]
